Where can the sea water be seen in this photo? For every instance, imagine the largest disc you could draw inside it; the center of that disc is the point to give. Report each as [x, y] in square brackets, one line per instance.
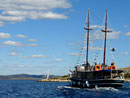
[32, 89]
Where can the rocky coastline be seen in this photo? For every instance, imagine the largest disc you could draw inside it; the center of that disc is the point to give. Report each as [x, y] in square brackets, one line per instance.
[53, 80]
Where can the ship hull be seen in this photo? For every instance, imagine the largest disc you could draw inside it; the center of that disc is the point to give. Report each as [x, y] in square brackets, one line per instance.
[84, 83]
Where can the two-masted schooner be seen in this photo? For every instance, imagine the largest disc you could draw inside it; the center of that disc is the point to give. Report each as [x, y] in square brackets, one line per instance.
[101, 75]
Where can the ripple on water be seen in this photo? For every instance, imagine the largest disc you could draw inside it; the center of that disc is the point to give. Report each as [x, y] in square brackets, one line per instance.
[31, 89]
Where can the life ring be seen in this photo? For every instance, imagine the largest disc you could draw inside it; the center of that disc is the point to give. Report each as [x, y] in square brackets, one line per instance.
[108, 68]
[98, 67]
[113, 67]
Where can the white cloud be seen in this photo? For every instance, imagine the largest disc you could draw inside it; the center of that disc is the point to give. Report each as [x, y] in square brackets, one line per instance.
[3, 46]
[100, 35]
[16, 50]
[18, 44]
[127, 34]
[13, 54]
[74, 54]
[58, 60]
[21, 36]
[11, 18]
[32, 45]
[38, 56]
[124, 53]
[48, 15]
[96, 26]
[95, 48]
[19, 66]
[13, 43]
[20, 10]
[126, 26]
[1, 23]
[114, 35]
[32, 15]
[33, 4]
[4, 35]
[16, 53]
[32, 40]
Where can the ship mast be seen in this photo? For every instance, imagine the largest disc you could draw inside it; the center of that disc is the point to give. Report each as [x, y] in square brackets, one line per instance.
[104, 58]
[88, 28]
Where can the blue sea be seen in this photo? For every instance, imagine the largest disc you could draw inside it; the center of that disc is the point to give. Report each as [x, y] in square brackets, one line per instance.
[32, 89]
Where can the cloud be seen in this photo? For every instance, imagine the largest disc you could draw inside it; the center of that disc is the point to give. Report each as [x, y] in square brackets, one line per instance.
[4, 35]
[21, 15]
[124, 53]
[2, 46]
[54, 61]
[13, 43]
[46, 15]
[32, 45]
[11, 18]
[19, 66]
[13, 54]
[126, 26]
[100, 35]
[16, 50]
[96, 26]
[32, 40]
[113, 35]
[127, 34]
[1, 23]
[33, 4]
[20, 10]
[21, 36]
[18, 44]
[95, 48]
[38, 56]
[58, 60]
[75, 54]
[16, 53]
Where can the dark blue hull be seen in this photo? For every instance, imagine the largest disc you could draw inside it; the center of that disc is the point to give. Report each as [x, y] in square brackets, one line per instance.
[84, 83]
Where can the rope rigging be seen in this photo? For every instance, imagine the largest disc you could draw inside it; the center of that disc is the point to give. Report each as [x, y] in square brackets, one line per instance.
[81, 50]
[96, 49]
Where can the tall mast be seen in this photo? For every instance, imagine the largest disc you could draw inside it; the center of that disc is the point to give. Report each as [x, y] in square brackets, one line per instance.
[87, 39]
[104, 58]
[88, 28]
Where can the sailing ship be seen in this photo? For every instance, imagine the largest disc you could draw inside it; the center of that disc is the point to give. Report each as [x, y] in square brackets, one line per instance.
[98, 75]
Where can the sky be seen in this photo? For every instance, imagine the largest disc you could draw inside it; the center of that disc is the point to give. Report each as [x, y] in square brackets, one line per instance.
[37, 36]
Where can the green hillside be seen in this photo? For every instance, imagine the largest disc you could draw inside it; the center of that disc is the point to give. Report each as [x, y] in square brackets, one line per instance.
[65, 77]
[126, 69]
[127, 72]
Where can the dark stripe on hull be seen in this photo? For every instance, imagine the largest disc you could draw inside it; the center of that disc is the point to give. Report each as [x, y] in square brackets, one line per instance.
[99, 83]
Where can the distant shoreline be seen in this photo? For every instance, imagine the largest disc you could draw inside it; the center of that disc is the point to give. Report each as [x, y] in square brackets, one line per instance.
[127, 80]
[60, 80]
[52, 80]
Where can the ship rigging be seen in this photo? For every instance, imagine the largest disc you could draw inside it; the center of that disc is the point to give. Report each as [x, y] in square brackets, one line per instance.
[101, 75]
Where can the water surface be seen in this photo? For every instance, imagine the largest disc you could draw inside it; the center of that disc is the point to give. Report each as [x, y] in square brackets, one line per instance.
[32, 89]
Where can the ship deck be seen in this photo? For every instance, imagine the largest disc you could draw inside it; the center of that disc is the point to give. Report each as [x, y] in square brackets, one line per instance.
[104, 78]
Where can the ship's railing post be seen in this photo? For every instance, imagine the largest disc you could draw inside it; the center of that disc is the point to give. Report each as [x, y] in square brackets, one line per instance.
[111, 73]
